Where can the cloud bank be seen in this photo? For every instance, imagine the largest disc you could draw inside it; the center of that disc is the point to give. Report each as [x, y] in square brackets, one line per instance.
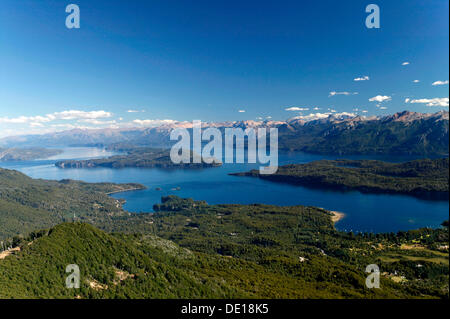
[437, 101]
[440, 83]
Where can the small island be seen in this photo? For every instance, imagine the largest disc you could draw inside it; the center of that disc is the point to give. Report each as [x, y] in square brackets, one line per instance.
[141, 157]
[426, 178]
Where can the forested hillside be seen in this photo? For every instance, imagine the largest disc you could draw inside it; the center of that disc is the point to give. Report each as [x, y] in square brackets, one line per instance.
[147, 266]
[422, 178]
[28, 204]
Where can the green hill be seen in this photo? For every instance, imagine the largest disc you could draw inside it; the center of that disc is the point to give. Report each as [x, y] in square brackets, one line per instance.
[146, 266]
[110, 266]
[28, 204]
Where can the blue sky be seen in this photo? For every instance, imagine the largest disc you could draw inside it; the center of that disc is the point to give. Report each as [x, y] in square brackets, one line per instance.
[208, 60]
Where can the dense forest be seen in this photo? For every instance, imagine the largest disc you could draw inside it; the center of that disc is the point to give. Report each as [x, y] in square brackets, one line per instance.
[422, 178]
[28, 204]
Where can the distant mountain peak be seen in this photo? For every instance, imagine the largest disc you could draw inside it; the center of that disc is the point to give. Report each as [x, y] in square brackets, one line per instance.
[408, 116]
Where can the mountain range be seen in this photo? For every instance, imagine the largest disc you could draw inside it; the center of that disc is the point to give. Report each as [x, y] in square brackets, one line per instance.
[401, 133]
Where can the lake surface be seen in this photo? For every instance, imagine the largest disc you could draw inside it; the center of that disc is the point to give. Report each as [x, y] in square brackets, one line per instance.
[363, 212]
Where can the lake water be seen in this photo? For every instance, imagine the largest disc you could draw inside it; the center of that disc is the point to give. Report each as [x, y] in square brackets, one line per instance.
[363, 212]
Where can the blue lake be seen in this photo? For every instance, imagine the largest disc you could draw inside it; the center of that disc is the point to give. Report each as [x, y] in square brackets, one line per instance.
[363, 212]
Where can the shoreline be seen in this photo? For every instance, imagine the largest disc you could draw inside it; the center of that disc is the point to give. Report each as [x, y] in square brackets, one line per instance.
[337, 216]
[125, 190]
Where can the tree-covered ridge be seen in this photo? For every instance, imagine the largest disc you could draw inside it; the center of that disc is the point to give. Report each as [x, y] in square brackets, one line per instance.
[423, 178]
[147, 266]
[26, 154]
[401, 133]
[136, 157]
[111, 266]
[28, 204]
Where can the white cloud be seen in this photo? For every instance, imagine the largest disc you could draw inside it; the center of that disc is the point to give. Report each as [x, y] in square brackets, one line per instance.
[416, 81]
[383, 108]
[345, 114]
[36, 124]
[440, 83]
[333, 93]
[437, 101]
[64, 115]
[153, 122]
[405, 63]
[316, 108]
[65, 126]
[318, 116]
[241, 111]
[52, 122]
[295, 108]
[313, 116]
[97, 122]
[76, 114]
[24, 119]
[363, 78]
[364, 111]
[380, 98]
[132, 111]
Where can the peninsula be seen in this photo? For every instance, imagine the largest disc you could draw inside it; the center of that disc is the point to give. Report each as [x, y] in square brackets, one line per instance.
[424, 178]
[141, 157]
